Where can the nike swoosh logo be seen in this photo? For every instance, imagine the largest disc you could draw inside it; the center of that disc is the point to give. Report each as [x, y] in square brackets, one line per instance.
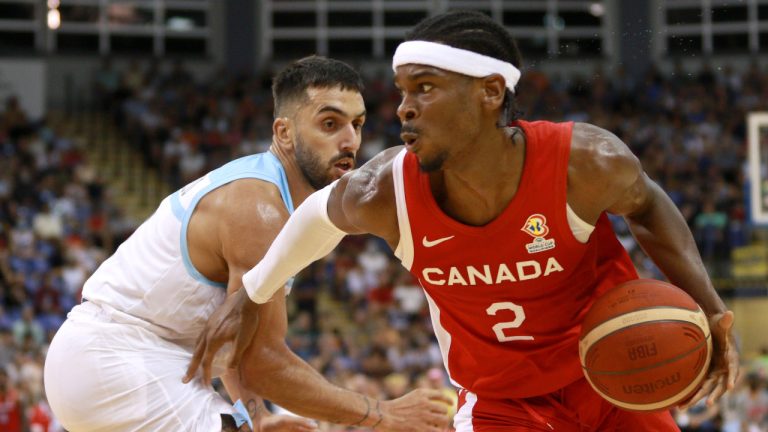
[429, 244]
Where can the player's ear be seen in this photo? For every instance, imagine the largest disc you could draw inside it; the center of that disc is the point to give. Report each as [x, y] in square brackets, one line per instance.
[283, 133]
[494, 88]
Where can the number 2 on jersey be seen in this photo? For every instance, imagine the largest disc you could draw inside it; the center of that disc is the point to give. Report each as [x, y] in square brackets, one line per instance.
[500, 327]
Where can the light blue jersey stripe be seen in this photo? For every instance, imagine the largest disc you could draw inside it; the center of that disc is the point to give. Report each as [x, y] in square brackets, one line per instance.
[262, 166]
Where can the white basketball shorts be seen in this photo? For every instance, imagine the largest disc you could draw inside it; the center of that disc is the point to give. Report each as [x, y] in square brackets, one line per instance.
[101, 375]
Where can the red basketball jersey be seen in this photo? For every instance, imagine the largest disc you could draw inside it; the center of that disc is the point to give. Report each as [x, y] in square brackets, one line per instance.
[507, 299]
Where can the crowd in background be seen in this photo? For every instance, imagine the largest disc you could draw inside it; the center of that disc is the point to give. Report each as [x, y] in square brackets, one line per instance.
[57, 223]
[356, 316]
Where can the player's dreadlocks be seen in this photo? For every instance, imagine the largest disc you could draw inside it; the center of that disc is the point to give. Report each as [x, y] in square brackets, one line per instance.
[477, 32]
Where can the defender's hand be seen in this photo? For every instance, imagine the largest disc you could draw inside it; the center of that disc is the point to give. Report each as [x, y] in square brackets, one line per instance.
[235, 320]
[422, 410]
[725, 361]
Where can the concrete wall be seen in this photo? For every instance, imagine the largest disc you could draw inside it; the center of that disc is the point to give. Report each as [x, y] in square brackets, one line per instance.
[24, 79]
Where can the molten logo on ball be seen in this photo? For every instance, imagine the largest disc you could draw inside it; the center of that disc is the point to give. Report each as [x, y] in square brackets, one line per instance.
[652, 387]
[645, 345]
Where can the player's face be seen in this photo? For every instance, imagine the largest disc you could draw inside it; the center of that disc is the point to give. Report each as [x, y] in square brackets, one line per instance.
[327, 134]
[437, 113]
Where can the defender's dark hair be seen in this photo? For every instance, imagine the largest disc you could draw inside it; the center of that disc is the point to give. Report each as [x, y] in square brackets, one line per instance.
[291, 83]
[477, 32]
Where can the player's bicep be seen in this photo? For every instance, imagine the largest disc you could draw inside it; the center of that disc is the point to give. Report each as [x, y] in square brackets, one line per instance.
[247, 229]
[245, 251]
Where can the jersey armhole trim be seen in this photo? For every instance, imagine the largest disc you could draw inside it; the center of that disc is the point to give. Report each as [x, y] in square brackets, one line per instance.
[581, 230]
[578, 231]
[404, 249]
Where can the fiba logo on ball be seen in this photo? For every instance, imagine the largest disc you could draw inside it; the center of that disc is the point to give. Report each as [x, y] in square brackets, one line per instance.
[645, 345]
[642, 351]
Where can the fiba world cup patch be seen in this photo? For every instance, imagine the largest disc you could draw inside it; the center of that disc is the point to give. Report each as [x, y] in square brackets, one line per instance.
[536, 227]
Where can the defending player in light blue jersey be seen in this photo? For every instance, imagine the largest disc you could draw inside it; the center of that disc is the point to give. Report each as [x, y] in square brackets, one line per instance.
[117, 362]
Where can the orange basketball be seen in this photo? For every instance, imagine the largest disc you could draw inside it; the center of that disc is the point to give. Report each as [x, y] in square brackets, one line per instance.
[645, 345]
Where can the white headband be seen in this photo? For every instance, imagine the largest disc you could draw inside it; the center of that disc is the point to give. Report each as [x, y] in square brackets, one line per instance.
[455, 60]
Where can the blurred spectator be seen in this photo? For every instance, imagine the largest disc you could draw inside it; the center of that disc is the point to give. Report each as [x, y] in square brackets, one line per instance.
[40, 416]
[709, 228]
[107, 82]
[698, 418]
[752, 404]
[760, 364]
[409, 298]
[27, 328]
[301, 336]
[132, 79]
[396, 385]
[14, 120]
[11, 410]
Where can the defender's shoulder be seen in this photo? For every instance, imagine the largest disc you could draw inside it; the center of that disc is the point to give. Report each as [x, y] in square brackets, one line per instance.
[245, 200]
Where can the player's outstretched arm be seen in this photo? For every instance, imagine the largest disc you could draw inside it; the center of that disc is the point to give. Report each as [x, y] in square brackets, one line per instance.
[271, 370]
[606, 176]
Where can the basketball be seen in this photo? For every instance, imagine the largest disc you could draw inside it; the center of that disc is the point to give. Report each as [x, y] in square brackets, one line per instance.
[645, 345]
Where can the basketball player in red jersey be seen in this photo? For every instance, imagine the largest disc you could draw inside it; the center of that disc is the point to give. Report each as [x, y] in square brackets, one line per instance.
[504, 224]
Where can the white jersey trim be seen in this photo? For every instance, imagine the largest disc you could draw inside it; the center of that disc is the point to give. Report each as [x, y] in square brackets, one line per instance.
[443, 337]
[404, 249]
[462, 421]
[580, 229]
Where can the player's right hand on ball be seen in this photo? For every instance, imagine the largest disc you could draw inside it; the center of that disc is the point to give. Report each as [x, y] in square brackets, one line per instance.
[422, 410]
[724, 368]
